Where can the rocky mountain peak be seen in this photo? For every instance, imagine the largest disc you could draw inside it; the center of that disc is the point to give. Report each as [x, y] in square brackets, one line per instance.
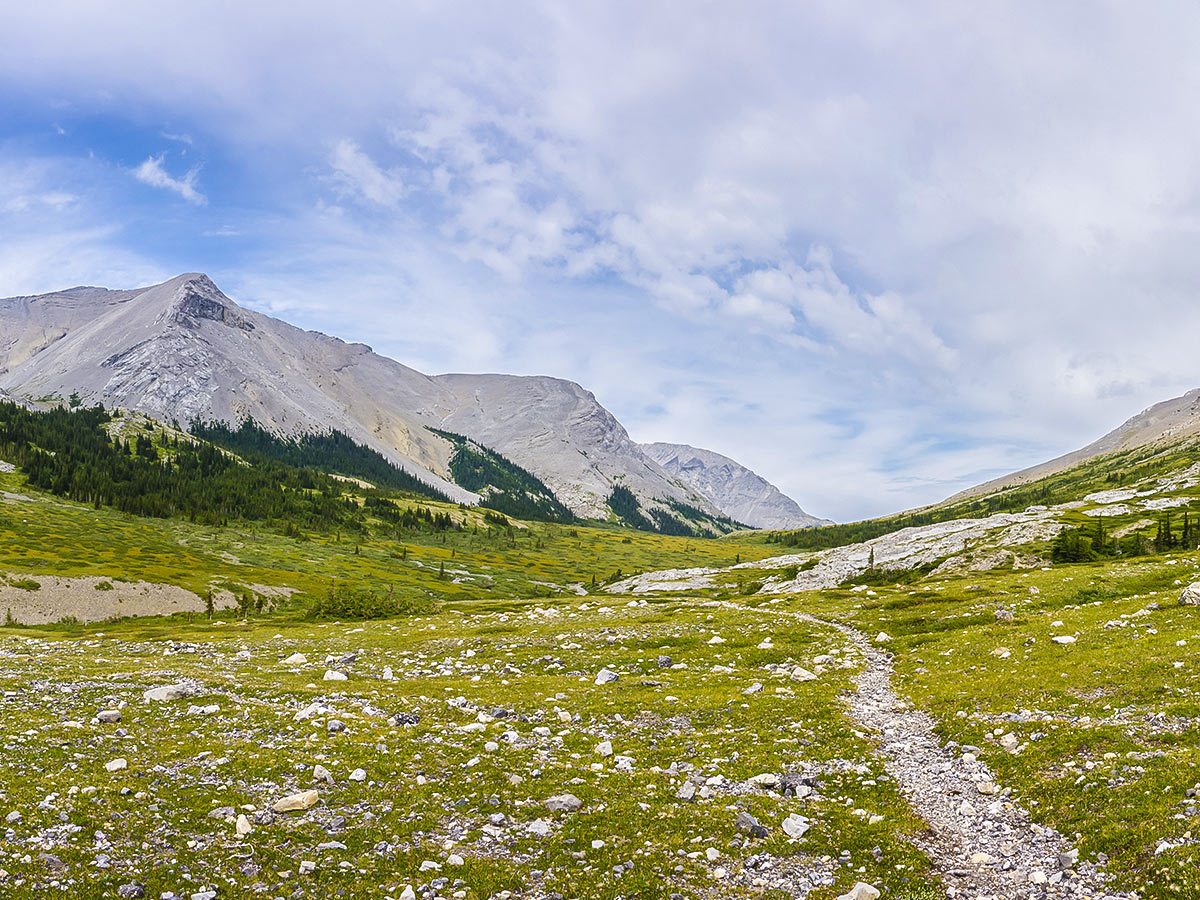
[197, 298]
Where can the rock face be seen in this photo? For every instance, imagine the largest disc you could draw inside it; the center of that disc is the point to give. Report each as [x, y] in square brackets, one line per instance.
[182, 350]
[738, 492]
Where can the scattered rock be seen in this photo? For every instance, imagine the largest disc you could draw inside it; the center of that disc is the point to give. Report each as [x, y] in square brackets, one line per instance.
[606, 676]
[109, 716]
[604, 748]
[131, 891]
[116, 765]
[296, 802]
[860, 891]
[334, 675]
[747, 824]
[168, 692]
[687, 791]
[563, 803]
[1190, 596]
[296, 659]
[795, 826]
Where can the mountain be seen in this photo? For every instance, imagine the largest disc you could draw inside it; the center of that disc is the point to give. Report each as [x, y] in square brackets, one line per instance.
[741, 494]
[1171, 421]
[183, 350]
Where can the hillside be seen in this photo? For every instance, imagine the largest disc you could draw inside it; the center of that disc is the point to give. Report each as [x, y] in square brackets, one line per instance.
[741, 494]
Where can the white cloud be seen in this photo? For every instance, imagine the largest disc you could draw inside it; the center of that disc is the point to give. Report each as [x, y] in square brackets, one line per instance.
[358, 175]
[154, 173]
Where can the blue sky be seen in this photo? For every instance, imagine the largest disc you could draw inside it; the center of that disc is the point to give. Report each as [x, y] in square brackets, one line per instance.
[876, 253]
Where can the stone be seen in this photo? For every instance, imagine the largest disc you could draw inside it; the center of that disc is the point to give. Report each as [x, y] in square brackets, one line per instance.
[754, 688]
[296, 659]
[860, 891]
[296, 802]
[358, 775]
[747, 824]
[563, 803]
[1004, 615]
[455, 860]
[882, 638]
[606, 676]
[334, 675]
[1190, 595]
[109, 716]
[795, 826]
[243, 826]
[687, 791]
[320, 773]
[131, 891]
[168, 692]
[604, 748]
[116, 765]
[1064, 639]
[801, 674]
[408, 893]
[539, 828]
[765, 780]
[406, 718]
[1068, 858]
[307, 867]
[664, 662]
[13, 818]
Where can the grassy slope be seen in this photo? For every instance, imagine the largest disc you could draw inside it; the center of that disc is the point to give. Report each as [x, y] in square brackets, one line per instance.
[1109, 741]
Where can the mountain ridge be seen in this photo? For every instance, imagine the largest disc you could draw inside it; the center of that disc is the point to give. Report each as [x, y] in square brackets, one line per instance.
[742, 493]
[183, 350]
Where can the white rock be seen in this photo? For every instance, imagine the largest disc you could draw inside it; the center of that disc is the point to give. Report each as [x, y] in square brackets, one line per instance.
[795, 826]
[539, 828]
[801, 674]
[116, 765]
[334, 675]
[606, 676]
[296, 659]
[358, 775]
[860, 891]
[408, 893]
[604, 748]
[307, 867]
[169, 692]
[1190, 596]
[320, 773]
[882, 638]
[296, 802]
[1064, 639]
[243, 826]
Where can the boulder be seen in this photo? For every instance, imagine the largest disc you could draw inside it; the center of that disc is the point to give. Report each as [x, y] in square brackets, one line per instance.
[563, 803]
[168, 692]
[1190, 595]
[860, 891]
[296, 802]
[606, 676]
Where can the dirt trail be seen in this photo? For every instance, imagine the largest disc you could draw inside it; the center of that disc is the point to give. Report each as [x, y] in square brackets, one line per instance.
[985, 846]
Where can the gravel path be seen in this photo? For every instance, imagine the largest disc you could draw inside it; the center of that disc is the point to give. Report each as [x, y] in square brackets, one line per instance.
[985, 846]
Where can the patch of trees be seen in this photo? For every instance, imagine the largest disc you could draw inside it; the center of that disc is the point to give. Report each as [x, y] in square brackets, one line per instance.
[625, 507]
[69, 453]
[505, 486]
[331, 451]
[1092, 542]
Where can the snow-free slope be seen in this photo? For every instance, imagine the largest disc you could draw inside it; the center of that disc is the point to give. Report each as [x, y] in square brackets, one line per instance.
[740, 493]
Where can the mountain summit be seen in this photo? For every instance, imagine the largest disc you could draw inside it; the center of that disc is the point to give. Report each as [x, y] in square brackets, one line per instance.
[183, 350]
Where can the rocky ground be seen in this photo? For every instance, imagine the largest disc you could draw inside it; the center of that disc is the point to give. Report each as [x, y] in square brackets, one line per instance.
[634, 750]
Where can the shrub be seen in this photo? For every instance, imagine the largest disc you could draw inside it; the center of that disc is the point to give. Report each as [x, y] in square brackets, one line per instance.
[363, 603]
[104, 585]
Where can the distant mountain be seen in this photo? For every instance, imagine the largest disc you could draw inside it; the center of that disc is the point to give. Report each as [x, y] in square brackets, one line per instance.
[183, 350]
[737, 491]
[1169, 422]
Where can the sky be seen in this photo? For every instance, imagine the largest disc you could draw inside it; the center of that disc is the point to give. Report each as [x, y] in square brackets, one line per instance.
[876, 252]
